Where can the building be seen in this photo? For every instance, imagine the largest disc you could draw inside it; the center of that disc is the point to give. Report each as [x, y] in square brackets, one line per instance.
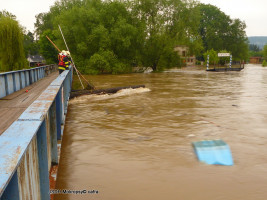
[255, 60]
[183, 52]
[36, 60]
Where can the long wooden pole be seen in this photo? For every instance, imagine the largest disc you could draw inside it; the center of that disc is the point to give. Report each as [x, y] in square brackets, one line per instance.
[73, 63]
[70, 56]
[53, 43]
[77, 71]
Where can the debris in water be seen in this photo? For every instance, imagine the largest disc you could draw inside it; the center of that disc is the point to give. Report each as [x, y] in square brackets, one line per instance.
[148, 70]
[123, 92]
[77, 93]
[191, 135]
[213, 152]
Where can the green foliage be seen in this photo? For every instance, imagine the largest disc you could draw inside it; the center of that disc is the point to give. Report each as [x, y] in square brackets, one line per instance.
[11, 43]
[5, 13]
[168, 59]
[264, 63]
[259, 41]
[105, 62]
[218, 31]
[255, 53]
[264, 51]
[224, 60]
[165, 27]
[254, 47]
[99, 63]
[213, 56]
[113, 36]
[47, 50]
[198, 62]
[31, 47]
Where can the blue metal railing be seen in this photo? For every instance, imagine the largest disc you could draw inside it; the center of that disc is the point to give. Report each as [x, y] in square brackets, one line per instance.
[16, 80]
[28, 148]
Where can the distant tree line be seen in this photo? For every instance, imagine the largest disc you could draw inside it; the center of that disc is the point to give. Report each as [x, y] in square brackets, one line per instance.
[115, 36]
[259, 41]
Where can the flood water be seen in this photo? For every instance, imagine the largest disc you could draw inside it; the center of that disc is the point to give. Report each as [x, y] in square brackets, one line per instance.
[137, 144]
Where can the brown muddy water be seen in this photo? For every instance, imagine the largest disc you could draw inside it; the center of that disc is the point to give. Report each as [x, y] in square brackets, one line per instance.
[137, 144]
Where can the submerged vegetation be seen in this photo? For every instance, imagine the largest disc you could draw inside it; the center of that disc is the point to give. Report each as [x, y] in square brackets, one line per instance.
[115, 36]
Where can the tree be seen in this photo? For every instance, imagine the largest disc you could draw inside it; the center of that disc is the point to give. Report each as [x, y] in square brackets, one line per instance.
[264, 63]
[183, 25]
[12, 55]
[31, 46]
[265, 52]
[218, 31]
[5, 13]
[164, 28]
[237, 41]
[224, 60]
[47, 50]
[254, 47]
[101, 30]
[213, 56]
[122, 34]
[130, 33]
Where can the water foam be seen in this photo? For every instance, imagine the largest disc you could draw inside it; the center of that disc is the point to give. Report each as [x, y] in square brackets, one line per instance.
[123, 92]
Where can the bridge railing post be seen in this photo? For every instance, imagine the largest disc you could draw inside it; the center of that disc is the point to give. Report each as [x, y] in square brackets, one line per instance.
[43, 161]
[66, 90]
[65, 95]
[53, 133]
[59, 113]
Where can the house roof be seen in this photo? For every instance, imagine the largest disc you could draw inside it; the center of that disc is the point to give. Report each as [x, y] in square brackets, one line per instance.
[35, 58]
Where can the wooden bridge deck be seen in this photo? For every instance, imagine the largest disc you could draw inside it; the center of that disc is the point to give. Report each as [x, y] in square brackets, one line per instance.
[13, 105]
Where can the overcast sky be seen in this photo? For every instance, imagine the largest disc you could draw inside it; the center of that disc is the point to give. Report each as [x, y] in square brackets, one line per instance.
[253, 12]
[25, 10]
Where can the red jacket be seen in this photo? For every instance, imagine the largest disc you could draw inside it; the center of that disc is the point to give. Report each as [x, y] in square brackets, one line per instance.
[61, 60]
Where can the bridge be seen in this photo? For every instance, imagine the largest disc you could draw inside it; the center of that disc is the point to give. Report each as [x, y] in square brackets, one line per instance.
[33, 106]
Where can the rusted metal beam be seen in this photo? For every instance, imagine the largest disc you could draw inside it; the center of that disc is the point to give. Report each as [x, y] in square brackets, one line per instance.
[13, 144]
[28, 173]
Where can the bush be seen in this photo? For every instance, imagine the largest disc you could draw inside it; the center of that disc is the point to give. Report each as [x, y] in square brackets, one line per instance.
[168, 59]
[198, 62]
[264, 63]
[213, 57]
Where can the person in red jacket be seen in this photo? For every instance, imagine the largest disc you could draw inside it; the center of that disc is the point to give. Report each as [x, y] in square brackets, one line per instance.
[63, 61]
